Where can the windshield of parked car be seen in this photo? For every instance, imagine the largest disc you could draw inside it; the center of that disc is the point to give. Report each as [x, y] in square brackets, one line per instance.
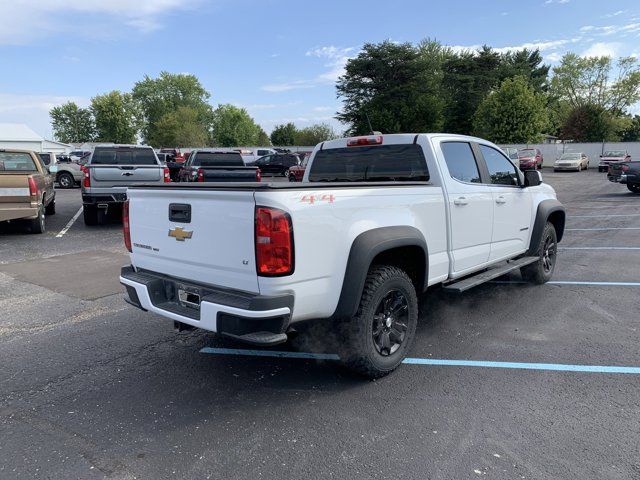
[571, 156]
[527, 152]
[217, 159]
[385, 163]
[614, 153]
[124, 156]
[16, 162]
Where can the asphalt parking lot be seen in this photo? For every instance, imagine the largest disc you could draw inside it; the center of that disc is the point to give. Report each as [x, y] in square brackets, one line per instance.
[93, 388]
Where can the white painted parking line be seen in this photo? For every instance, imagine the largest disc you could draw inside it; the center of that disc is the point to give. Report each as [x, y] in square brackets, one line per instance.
[68, 225]
[598, 248]
[557, 367]
[599, 229]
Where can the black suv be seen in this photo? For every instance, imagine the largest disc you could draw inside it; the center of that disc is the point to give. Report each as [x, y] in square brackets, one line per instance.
[277, 164]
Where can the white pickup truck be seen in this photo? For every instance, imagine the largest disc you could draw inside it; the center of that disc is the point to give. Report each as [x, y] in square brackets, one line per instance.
[375, 222]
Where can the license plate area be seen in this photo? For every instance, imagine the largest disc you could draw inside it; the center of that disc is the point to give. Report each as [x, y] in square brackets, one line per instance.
[189, 296]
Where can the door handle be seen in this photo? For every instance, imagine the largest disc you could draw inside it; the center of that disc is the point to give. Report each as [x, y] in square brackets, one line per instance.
[501, 199]
[460, 201]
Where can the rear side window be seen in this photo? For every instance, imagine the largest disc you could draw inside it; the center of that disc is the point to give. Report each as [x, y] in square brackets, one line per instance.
[260, 153]
[210, 159]
[124, 156]
[45, 157]
[385, 163]
[460, 161]
[16, 162]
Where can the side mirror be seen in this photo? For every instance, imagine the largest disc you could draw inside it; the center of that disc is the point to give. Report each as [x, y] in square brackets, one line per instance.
[532, 178]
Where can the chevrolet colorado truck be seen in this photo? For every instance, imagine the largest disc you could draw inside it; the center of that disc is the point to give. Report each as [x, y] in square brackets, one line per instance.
[26, 189]
[110, 170]
[210, 165]
[627, 173]
[374, 223]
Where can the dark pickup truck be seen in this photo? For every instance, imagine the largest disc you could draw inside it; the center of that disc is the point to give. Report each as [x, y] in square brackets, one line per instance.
[206, 165]
[627, 173]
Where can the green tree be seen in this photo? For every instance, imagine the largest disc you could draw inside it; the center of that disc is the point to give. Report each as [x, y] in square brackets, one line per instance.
[514, 113]
[392, 85]
[165, 94]
[468, 78]
[181, 128]
[589, 123]
[314, 134]
[263, 139]
[582, 81]
[116, 117]
[631, 132]
[528, 64]
[233, 127]
[72, 124]
[284, 135]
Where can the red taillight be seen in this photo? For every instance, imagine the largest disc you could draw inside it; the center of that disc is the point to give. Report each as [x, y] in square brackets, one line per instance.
[126, 229]
[33, 188]
[360, 141]
[86, 177]
[258, 175]
[200, 175]
[274, 242]
[167, 175]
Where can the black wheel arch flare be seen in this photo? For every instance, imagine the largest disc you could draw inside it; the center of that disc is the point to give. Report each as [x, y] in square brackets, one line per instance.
[364, 249]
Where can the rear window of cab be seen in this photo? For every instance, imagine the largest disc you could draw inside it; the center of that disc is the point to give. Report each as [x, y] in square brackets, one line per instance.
[16, 162]
[379, 163]
[123, 156]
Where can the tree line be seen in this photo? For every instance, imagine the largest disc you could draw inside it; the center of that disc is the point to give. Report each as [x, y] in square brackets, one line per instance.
[172, 110]
[507, 97]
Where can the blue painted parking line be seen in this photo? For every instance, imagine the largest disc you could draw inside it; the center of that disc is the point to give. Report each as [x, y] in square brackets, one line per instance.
[571, 282]
[605, 216]
[558, 367]
[598, 248]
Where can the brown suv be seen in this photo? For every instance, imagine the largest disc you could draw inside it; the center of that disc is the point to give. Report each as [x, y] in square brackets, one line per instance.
[26, 189]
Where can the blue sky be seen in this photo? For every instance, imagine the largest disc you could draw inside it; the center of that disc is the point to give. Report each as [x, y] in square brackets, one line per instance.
[277, 58]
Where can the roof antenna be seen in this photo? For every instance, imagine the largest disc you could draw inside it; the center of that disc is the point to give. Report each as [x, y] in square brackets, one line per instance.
[371, 130]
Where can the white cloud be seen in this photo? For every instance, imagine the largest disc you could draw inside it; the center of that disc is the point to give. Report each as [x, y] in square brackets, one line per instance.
[553, 57]
[286, 86]
[614, 14]
[335, 59]
[541, 45]
[602, 49]
[606, 30]
[323, 109]
[33, 110]
[29, 19]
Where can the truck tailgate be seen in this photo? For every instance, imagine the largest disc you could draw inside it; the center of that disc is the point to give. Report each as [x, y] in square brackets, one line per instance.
[114, 175]
[14, 187]
[215, 247]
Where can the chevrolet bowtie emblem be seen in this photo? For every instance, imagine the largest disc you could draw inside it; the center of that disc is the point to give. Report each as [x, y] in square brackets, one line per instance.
[179, 234]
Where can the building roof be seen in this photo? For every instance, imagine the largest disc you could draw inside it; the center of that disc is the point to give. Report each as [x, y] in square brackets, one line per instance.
[18, 131]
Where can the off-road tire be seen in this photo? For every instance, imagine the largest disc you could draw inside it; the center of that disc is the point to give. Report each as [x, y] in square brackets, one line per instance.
[90, 215]
[66, 180]
[37, 225]
[538, 272]
[358, 350]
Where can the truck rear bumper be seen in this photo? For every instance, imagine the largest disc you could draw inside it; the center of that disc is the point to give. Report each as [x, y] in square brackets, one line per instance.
[15, 211]
[228, 312]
